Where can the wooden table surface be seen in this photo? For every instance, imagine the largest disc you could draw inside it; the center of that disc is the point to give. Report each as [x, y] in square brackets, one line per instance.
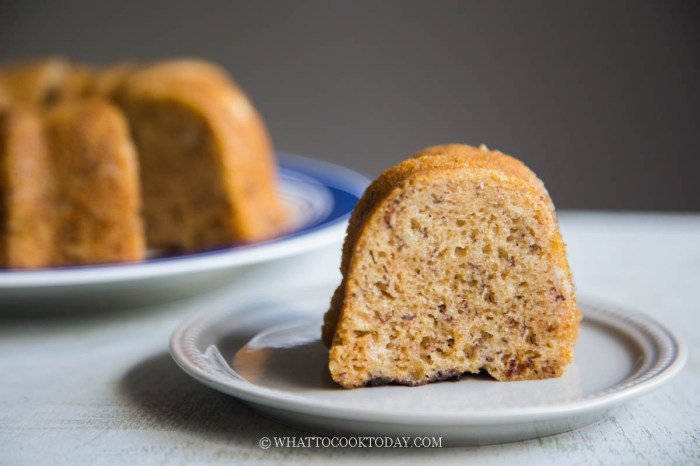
[100, 388]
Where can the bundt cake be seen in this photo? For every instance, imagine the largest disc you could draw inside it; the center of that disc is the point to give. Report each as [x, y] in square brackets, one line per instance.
[453, 263]
[86, 152]
[207, 166]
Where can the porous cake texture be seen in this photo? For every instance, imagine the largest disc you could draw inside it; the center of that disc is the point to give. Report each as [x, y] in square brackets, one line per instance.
[453, 263]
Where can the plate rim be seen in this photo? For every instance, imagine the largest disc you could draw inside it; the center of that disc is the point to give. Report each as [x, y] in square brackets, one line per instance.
[672, 354]
[327, 231]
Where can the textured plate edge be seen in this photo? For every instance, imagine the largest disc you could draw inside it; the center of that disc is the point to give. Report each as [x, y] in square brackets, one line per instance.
[662, 372]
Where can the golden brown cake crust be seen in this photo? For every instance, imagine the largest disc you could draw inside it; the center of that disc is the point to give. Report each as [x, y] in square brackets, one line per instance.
[219, 156]
[5, 100]
[34, 83]
[43, 83]
[96, 202]
[70, 190]
[449, 155]
[496, 159]
[516, 191]
[107, 81]
[26, 231]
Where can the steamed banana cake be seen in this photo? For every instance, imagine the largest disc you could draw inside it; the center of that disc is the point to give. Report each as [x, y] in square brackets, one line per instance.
[453, 263]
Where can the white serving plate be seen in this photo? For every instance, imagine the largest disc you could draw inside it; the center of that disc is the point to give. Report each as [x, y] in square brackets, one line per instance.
[319, 195]
[267, 353]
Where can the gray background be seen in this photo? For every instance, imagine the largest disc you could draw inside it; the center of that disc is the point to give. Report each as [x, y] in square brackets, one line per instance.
[600, 99]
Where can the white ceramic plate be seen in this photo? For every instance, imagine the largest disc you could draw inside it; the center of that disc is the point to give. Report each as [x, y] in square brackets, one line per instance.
[268, 353]
[319, 195]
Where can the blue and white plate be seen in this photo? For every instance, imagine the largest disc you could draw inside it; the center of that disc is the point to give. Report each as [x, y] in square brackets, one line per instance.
[319, 195]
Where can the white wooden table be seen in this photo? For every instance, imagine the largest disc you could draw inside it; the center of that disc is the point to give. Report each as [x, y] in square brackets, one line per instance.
[102, 389]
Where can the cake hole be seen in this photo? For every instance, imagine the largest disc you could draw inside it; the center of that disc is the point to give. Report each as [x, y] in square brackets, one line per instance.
[460, 252]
